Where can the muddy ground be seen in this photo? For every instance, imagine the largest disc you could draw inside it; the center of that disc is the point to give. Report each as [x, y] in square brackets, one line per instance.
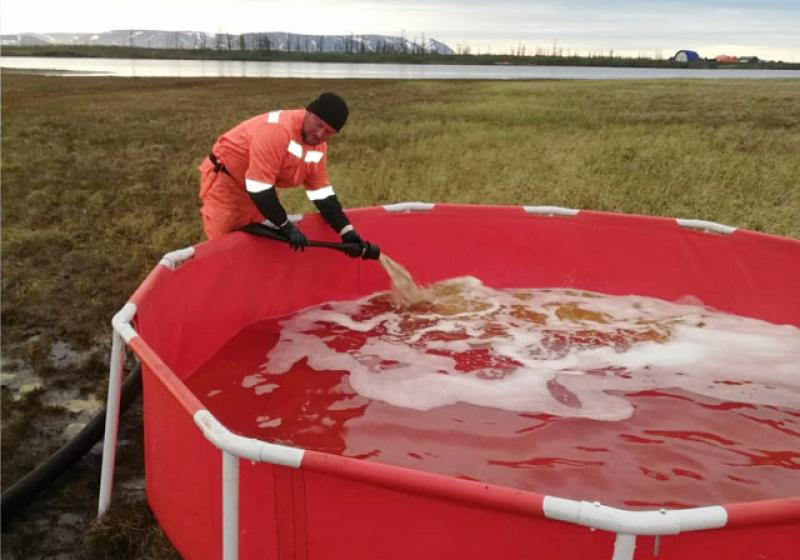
[61, 521]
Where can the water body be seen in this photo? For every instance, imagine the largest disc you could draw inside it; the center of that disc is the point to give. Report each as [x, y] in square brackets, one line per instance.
[147, 68]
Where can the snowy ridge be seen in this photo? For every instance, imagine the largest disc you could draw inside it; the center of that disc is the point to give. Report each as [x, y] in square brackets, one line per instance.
[276, 41]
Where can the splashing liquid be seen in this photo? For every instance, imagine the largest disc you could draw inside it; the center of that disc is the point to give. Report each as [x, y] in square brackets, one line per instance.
[632, 401]
[404, 290]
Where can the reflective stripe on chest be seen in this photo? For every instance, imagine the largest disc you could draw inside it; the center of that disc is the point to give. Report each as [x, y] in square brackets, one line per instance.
[311, 156]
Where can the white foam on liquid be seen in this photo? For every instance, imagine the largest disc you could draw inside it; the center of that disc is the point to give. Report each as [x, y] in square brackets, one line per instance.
[722, 356]
[267, 422]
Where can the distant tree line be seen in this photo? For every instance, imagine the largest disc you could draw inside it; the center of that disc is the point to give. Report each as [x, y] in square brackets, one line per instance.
[290, 42]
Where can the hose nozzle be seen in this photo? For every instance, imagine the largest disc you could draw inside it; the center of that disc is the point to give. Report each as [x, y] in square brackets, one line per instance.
[366, 251]
[371, 251]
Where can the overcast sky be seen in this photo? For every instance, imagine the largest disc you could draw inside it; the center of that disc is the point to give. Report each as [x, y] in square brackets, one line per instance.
[768, 29]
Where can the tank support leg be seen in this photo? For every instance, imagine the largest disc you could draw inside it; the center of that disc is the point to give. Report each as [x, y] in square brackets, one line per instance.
[112, 422]
[230, 506]
[624, 546]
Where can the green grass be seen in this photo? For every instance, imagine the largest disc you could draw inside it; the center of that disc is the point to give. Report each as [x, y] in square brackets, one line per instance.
[99, 176]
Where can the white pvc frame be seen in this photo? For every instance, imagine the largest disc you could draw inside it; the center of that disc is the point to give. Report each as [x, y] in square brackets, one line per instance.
[550, 211]
[705, 226]
[626, 524]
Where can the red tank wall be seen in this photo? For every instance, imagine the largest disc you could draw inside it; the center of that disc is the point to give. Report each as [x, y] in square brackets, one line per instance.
[187, 314]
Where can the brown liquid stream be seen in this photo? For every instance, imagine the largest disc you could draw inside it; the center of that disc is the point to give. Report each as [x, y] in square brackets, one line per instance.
[405, 292]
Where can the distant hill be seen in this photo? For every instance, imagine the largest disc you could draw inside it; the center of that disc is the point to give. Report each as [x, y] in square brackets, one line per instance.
[194, 40]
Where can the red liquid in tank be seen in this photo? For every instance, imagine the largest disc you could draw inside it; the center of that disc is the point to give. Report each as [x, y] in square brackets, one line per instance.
[677, 448]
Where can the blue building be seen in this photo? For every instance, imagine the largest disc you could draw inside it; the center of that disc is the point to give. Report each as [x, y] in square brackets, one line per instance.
[686, 56]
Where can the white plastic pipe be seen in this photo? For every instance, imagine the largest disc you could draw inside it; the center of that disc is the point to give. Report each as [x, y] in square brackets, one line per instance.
[409, 207]
[550, 210]
[624, 546]
[706, 226]
[230, 506]
[122, 322]
[246, 448]
[121, 331]
[659, 522]
[174, 258]
[112, 423]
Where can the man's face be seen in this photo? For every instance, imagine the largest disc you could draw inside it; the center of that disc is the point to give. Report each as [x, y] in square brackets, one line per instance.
[315, 130]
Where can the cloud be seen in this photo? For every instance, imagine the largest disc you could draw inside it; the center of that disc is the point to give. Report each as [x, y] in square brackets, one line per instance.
[626, 26]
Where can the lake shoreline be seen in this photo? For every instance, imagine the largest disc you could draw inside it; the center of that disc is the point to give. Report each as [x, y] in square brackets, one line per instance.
[221, 68]
[86, 51]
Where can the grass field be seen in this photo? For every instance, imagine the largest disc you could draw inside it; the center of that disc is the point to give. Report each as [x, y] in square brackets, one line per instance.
[99, 180]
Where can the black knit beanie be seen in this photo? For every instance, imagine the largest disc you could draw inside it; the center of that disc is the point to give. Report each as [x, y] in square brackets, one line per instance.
[330, 108]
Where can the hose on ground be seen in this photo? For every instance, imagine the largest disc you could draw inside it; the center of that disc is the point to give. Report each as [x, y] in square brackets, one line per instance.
[26, 488]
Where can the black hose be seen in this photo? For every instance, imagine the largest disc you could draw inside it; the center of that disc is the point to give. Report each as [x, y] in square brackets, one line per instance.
[25, 489]
[370, 251]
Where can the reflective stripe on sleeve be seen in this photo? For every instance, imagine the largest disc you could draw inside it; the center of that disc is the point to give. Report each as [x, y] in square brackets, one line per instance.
[319, 194]
[273, 117]
[295, 149]
[256, 186]
[313, 156]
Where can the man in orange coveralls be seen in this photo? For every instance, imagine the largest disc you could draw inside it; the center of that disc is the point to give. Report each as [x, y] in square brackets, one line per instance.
[280, 149]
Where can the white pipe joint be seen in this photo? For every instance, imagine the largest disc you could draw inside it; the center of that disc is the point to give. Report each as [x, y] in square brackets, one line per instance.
[246, 448]
[658, 522]
[121, 322]
[173, 259]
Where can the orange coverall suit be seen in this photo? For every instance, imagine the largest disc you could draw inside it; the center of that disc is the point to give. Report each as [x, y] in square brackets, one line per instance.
[263, 152]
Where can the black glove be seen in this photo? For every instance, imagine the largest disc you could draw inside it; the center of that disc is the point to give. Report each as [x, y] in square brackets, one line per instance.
[297, 240]
[353, 237]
